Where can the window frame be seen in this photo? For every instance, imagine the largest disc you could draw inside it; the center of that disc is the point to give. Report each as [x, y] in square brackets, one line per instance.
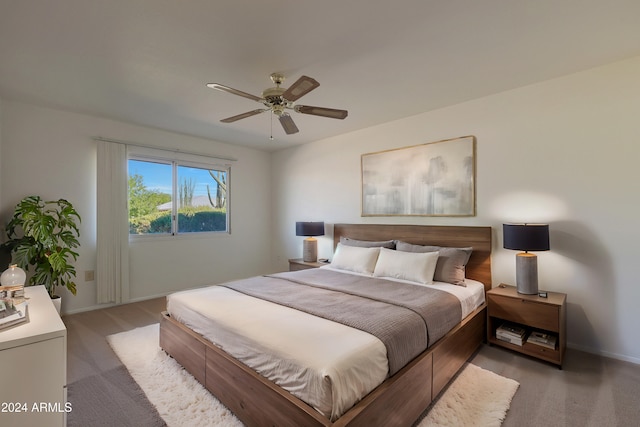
[176, 162]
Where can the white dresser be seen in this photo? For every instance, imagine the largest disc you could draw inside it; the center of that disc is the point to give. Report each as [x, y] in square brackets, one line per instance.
[33, 366]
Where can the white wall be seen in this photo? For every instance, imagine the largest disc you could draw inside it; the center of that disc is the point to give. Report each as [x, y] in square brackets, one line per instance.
[1, 223]
[51, 153]
[564, 151]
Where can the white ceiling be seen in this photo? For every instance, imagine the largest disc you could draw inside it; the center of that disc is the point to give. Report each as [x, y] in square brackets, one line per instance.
[147, 61]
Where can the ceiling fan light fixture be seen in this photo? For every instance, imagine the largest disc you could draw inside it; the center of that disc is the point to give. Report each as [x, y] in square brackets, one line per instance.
[278, 109]
[278, 100]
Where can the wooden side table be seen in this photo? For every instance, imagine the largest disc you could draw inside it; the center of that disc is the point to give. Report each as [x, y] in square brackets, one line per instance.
[296, 264]
[534, 313]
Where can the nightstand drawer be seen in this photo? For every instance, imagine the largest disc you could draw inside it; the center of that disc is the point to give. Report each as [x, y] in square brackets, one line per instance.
[550, 355]
[297, 264]
[521, 310]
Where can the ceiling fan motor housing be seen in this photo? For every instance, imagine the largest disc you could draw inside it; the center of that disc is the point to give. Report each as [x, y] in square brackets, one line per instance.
[274, 100]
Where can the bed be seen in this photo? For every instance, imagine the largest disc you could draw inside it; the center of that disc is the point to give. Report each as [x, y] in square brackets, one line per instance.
[258, 401]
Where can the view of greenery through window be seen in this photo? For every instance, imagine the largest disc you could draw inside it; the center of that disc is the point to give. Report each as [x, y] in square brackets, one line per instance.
[200, 198]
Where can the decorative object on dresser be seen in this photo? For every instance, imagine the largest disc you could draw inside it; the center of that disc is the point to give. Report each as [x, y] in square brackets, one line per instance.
[526, 237]
[12, 311]
[543, 321]
[310, 244]
[13, 276]
[13, 305]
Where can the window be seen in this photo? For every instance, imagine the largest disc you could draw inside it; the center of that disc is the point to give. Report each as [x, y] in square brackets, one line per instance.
[169, 197]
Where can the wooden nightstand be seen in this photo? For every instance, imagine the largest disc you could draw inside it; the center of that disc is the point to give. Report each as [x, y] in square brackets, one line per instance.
[534, 313]
[296, 264]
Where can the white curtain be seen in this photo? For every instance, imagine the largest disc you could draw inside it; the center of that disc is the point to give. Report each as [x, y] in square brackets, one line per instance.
[112, 266]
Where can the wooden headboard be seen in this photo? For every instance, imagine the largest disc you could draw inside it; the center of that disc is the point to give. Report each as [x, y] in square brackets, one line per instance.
[479, 238]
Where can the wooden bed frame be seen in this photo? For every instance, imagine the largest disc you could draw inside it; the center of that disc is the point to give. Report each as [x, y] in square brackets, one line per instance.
[398, 401]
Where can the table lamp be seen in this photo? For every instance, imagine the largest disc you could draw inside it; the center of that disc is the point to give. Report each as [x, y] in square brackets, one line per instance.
[310, 244]
[526, 237]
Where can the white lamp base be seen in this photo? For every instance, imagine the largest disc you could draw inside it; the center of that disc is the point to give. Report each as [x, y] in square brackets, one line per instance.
[310, 249]
[527, 273]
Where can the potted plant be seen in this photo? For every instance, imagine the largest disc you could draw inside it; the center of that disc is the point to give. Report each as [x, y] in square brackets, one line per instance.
[44, 234]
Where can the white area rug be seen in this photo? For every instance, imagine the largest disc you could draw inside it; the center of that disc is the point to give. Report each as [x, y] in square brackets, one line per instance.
[477, 397]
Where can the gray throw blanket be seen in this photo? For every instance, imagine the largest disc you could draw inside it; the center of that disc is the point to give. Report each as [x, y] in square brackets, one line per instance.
[406, 318]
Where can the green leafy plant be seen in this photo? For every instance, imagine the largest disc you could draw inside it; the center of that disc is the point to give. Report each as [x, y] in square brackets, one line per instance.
[44, 234]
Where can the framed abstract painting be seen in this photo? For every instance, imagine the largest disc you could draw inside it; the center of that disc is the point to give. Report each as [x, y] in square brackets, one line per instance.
[432, 179]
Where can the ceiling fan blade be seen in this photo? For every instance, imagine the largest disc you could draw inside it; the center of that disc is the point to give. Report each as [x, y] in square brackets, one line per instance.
[287, 124]
[321, 111]
[301, 87]
[233, 91]
[244, 115]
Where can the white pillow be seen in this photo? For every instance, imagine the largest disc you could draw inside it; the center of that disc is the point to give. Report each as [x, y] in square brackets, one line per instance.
[416, 267]
[356, 259]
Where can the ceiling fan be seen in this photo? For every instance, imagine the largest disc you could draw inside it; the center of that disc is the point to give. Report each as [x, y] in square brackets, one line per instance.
[278, 99]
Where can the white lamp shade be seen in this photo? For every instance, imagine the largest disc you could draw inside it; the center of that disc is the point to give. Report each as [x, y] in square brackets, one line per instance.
[13, 276]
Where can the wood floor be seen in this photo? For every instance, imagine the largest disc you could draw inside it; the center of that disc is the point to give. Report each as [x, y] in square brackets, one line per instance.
[588, 391]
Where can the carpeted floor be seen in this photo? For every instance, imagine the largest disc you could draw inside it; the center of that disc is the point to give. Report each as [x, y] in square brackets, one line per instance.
[99, 387]
[123, 394]
[589, 391]
[476, 397]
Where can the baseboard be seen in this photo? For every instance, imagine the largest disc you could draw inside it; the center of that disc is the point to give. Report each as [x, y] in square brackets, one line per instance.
[101, 306]
[85, 309]
[606, 354]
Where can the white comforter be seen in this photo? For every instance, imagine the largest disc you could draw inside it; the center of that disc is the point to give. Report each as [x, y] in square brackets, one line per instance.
[326, 364]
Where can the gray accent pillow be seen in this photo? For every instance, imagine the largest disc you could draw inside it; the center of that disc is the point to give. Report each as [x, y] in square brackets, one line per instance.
[451, 262]
[389, 244]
